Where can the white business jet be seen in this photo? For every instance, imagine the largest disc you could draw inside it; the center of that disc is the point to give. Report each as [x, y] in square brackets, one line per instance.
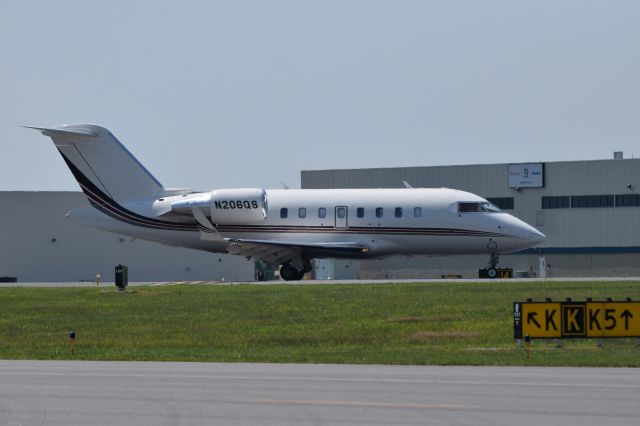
[289, 227]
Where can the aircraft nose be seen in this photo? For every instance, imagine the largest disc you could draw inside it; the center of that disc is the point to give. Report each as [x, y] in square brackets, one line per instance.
[531, 234]
[525, 233]
[537, 236]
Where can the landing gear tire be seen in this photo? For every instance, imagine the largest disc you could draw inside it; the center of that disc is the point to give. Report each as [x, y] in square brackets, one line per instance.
[492, 272]
[289, 273]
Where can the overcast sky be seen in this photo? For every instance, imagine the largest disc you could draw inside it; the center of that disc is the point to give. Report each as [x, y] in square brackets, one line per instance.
[248, 93]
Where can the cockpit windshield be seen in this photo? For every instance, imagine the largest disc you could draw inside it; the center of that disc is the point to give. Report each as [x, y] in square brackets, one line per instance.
[478, 208]
[491, 208]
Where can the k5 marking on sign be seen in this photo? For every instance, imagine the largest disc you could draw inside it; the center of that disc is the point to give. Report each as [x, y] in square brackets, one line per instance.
[613, 319]
[548, 320]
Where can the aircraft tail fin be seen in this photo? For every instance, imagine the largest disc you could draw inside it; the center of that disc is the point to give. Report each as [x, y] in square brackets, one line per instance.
[100, 163]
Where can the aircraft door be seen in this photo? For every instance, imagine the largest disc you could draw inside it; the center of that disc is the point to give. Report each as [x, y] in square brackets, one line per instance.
[341, 217]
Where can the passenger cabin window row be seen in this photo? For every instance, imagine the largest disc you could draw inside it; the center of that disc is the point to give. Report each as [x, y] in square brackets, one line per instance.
[341, 212]
[590, 201]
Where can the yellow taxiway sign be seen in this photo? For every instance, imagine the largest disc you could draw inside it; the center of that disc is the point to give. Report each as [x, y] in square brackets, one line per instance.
[555, 320]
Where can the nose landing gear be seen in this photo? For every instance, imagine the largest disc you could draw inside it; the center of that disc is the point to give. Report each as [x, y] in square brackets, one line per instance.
[492, 270]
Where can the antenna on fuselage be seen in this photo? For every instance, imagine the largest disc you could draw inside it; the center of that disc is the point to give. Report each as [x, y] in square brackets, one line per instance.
[407, 184]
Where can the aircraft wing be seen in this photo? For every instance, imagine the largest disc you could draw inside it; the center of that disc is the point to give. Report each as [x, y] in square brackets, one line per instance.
[273, 251]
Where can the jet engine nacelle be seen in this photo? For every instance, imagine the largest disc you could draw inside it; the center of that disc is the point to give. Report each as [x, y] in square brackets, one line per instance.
[238, 206]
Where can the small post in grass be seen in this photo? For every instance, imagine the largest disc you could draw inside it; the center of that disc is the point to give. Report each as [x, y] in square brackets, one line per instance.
[527, 345]
[97, 280]
[72, 342]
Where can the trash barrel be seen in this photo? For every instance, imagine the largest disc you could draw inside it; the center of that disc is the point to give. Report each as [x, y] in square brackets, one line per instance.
[122, 276]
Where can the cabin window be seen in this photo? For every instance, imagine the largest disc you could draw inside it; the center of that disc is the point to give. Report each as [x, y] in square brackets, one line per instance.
[379, 212]
[284, 212]
[398, 212]
[360, 212]
[322, 212]
[342, 211]
[417, 212]
[302, 212]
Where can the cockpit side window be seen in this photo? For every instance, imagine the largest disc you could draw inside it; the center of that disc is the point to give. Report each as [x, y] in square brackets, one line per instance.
[477, 208]
[470, 208]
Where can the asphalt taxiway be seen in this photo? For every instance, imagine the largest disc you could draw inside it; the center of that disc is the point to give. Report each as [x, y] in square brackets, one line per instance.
[151, 393]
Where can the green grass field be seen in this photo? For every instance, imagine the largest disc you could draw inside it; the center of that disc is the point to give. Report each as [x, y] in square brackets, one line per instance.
[417, 323]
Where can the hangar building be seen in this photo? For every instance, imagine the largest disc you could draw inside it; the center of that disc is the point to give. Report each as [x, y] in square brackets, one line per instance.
[39, 244]
[589, 211]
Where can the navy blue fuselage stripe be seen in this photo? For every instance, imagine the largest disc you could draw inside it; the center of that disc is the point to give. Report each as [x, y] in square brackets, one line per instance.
[356, 230]
[117, 212]
[108, 206]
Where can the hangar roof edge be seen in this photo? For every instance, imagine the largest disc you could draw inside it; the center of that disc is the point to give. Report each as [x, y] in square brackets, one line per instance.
[572, 162]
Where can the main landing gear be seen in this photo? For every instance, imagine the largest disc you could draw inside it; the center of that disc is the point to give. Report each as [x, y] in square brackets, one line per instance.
[290, 273]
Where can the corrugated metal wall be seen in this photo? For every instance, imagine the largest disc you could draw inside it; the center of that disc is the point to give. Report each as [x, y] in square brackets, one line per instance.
[39, 244]
[617, 229]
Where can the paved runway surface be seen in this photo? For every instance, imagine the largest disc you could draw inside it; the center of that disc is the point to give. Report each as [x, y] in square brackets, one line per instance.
[147, 393]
